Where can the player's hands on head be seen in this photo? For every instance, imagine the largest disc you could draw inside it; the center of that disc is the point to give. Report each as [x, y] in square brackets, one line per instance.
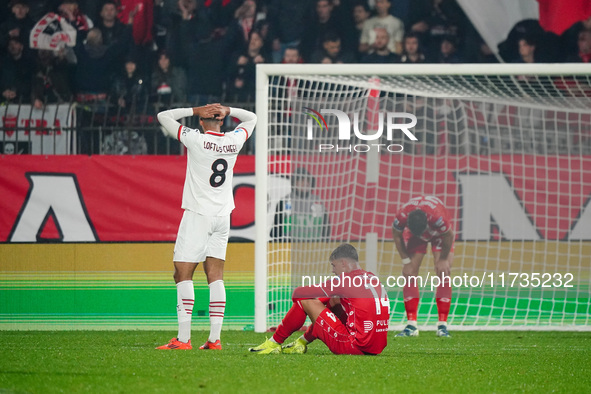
[221, 111]
[210, 111]
[204, 112]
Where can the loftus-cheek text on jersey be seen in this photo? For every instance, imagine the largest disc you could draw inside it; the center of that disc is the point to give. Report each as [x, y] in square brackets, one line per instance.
[212, 146]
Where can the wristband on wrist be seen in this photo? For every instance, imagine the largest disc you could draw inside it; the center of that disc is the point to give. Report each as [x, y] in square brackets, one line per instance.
[406, 260]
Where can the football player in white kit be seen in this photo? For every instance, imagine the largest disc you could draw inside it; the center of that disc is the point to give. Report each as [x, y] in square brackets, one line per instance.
[207, 201]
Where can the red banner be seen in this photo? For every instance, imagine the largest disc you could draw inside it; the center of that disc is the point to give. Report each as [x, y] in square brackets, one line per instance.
[119, 198]
[131, 199]
[557, 16]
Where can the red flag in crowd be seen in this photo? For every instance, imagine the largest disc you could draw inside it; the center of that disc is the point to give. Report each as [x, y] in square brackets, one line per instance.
[143, 20]
[558, 15]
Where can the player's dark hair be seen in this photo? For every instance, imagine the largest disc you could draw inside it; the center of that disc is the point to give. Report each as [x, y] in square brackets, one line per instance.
[344, 251]
[417, 222]
[214, 121]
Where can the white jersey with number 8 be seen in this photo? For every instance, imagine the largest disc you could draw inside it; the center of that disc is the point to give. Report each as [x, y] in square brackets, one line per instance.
[211, 157]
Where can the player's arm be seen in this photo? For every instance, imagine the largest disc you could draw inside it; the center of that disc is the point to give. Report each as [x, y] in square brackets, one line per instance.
[335, 307]
[446, 244]
[169, 119]
[248, 120]
[334, 301]
[443, 264]
[399, 242]
[308, 292]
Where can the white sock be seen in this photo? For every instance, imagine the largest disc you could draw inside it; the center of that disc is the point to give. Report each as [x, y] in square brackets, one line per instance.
[185, 294]
[302, 338]
[441, 323]
[217, 307]
[412, 323]
[273, 340]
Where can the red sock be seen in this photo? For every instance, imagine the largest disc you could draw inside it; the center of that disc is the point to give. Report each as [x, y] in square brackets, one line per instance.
[411, 300]
[308, 336]
[294, 319]
[443, 299]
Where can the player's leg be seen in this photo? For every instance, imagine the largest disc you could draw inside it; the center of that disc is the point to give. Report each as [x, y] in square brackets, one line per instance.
[183, 277]
[329, 329]
[294, 319]
[187, 254]
[443, 294]
[300, 345]
[214, 271]
[416, 249]
[314, 308]
[185, 294]
[217, 244]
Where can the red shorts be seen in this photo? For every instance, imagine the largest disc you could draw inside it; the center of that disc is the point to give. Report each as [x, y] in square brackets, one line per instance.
[330, 330]
[417, 245]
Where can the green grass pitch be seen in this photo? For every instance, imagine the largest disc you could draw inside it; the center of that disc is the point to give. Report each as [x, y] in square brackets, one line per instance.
[126, 362]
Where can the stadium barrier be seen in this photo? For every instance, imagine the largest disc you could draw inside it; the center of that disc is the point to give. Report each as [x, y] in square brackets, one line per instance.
[95, 124]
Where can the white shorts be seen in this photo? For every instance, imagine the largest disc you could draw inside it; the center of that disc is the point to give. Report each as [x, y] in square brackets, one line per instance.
[200, 237]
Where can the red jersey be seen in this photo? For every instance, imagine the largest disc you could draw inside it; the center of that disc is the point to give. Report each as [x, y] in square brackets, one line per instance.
[367, 307]
[438, 220]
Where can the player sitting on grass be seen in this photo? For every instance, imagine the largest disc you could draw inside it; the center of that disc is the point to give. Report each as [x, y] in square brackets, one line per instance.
[422, 220]
[349, 313]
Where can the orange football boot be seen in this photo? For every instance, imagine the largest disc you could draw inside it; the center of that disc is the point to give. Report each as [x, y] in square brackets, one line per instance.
[217, 345]
[176, 344]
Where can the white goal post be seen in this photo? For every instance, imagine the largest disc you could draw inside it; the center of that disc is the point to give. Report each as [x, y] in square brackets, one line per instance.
[506, 147]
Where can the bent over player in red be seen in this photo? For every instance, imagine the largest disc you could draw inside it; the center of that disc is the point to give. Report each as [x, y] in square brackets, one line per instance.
[422, 220]
[349, 313]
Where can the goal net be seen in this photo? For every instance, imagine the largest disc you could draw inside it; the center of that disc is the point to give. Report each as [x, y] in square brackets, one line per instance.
[506, 148]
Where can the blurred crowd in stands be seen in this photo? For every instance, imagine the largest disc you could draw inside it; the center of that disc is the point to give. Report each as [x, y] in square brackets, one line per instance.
[197, 51]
